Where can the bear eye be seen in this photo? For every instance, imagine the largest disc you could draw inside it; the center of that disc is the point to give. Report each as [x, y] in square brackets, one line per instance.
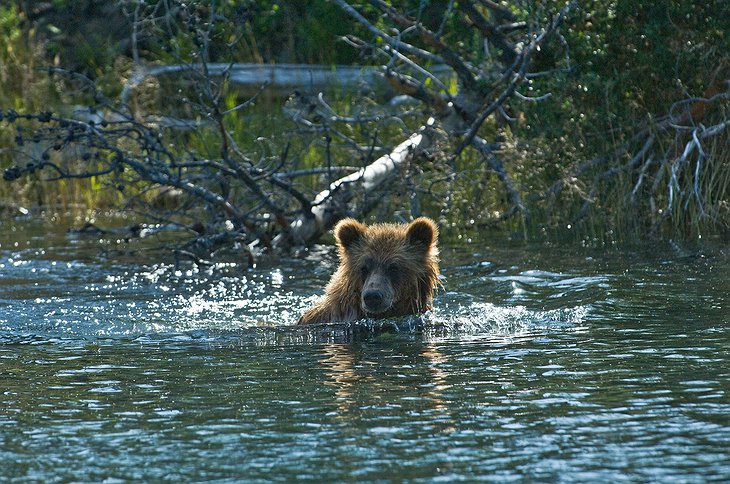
[392, 271]
[364, 271]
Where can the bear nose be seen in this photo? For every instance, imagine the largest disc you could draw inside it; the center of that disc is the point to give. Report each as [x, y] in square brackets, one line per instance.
[373, 299]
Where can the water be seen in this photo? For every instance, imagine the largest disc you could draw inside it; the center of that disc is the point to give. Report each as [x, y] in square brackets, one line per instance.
[539, 364]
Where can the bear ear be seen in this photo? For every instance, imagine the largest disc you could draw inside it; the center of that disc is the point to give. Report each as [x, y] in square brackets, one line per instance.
[422, 232]
[348, 232]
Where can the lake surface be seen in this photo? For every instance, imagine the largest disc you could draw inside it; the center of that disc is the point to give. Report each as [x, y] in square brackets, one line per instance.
[541, 363]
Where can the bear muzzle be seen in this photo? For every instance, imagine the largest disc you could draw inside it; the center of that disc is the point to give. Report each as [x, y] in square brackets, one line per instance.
[377, 295]
[374, 302]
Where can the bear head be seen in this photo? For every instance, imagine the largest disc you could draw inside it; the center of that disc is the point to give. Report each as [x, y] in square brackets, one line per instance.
[393, 268]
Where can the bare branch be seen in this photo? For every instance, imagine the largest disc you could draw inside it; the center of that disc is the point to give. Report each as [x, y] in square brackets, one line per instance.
[466, 72]
[396, 44]
[332, 204]
[491, 31]
[495, 164]
[517, 76]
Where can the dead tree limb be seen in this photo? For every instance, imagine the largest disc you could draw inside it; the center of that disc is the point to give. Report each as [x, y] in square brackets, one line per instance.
[333, 203]
[291, 194]
[462, 115]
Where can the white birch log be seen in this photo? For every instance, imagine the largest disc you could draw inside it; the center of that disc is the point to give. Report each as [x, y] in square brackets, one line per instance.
[332, 204]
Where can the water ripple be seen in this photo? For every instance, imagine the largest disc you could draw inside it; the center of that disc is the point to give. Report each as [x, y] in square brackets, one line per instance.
[532, 367]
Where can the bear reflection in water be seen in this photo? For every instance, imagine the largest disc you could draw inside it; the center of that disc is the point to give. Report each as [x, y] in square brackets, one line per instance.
[386, 270]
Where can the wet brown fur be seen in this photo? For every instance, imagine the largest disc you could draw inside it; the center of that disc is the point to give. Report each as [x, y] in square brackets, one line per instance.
[406, 253]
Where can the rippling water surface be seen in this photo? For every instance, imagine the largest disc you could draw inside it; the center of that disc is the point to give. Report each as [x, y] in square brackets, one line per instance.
[539, 364]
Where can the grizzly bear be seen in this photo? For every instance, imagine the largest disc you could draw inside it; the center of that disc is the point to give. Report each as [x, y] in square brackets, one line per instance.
[386, 270]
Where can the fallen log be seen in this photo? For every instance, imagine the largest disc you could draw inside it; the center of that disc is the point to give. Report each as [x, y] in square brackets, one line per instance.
[283, 77]
[333, 204]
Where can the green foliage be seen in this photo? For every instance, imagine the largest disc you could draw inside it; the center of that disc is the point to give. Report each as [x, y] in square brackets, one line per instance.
[628, 63]
[9, 29]
[630, 60]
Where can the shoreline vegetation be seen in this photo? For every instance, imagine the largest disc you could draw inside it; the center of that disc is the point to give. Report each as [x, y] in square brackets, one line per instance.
[260, 125]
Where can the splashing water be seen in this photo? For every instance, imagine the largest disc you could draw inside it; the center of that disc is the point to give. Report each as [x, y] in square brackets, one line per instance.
[92, 299]
[478, 318]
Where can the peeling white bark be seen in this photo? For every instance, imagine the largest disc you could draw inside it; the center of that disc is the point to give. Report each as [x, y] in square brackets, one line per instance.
[332, 204]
